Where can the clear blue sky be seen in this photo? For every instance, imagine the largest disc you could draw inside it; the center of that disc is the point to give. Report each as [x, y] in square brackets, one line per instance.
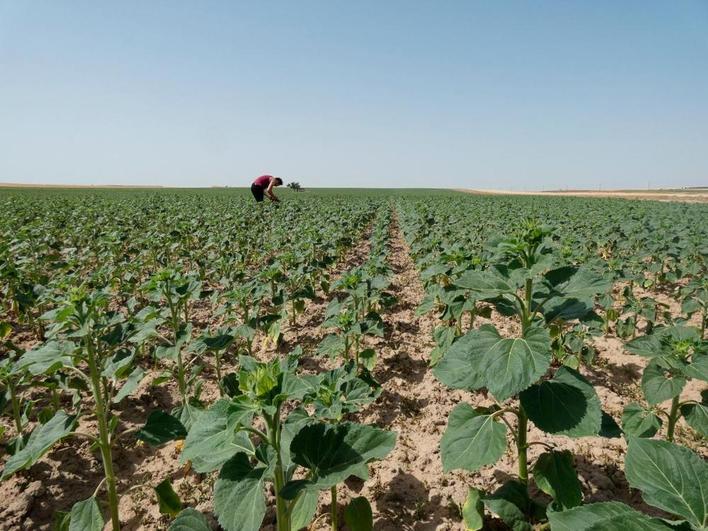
[487, 94]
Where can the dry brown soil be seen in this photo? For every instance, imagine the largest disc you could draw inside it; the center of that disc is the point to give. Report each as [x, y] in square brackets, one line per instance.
[654, 195]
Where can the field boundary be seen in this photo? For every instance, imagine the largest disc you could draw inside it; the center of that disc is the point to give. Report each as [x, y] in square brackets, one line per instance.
[684, 197]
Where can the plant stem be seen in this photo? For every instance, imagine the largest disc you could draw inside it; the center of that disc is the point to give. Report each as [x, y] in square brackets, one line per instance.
[181, 384]
[527, 316]
[673, 417]
[217, 366]
[282, 513]
[104, 439]
[16, 414]
[522, 446]
[333, 508]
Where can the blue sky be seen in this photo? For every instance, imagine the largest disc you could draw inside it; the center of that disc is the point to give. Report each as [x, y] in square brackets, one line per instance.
[494, 94]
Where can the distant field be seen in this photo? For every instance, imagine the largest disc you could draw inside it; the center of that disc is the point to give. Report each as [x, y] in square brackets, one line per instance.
[692, 195]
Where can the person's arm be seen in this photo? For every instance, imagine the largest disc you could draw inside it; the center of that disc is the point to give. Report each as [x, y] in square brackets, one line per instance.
[270, 193]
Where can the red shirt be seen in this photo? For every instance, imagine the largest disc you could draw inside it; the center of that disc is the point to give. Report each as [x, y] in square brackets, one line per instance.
[263, 181]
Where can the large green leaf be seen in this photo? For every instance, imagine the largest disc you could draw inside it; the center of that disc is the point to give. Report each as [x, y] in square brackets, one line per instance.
[576, 283]
[214, 439]
[39, 442]
[160, 428]
[565, 405]
[660, 383]
[605, 516]
[295, 421]
[648, 346]
[190, 520]
[86, 516]
[482, 358]
[485, 284]
[472, 439]
[304, 509]
[671, 477]
[239, 501]
[555, 475]
[459, 368]
[640, 422]
[696, 415]
[130, 385]
[48, 358]
[569, 292]
[698, 368]
[510, 365]
[334, 452]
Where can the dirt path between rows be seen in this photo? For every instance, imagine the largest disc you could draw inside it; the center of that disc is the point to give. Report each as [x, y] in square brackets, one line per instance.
[408, 490]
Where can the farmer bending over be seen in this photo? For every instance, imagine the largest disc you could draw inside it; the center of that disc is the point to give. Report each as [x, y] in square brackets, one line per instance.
[265, 184]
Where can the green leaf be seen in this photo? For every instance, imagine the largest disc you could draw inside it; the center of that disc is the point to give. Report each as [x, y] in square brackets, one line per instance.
[473, 511]
[609, 427]
[648, 346]
[295, 421]
[334, 452]
[304, 509]
[167, 498]
[160, 428]
[671, 477]
[190, 520]
[698, 368]
[48, 358]
[605, 516]
[472, 439]
[213, 438]
[511, 365]
[239, 502]
[565, 405]
[332, 346]
[367, 358]
[485, 284]
[459, 366]
[5, 329]
[660, 384]
[39, 442]
[640, 422]
[86, 516]
[571, 292]
[482, 358]
[512, 504]
[118, 364]
[358, 515]
[572, 283]
[555, 475]
[130, 385]
[696, 416]
[188, 413]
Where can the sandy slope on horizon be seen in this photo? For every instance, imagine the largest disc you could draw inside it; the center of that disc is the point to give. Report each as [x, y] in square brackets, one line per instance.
[659, 195]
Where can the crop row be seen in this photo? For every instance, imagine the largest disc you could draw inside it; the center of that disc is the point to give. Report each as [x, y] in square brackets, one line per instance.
[556, 284]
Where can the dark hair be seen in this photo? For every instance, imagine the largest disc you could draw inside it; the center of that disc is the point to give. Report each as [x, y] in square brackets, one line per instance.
[278, 181]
